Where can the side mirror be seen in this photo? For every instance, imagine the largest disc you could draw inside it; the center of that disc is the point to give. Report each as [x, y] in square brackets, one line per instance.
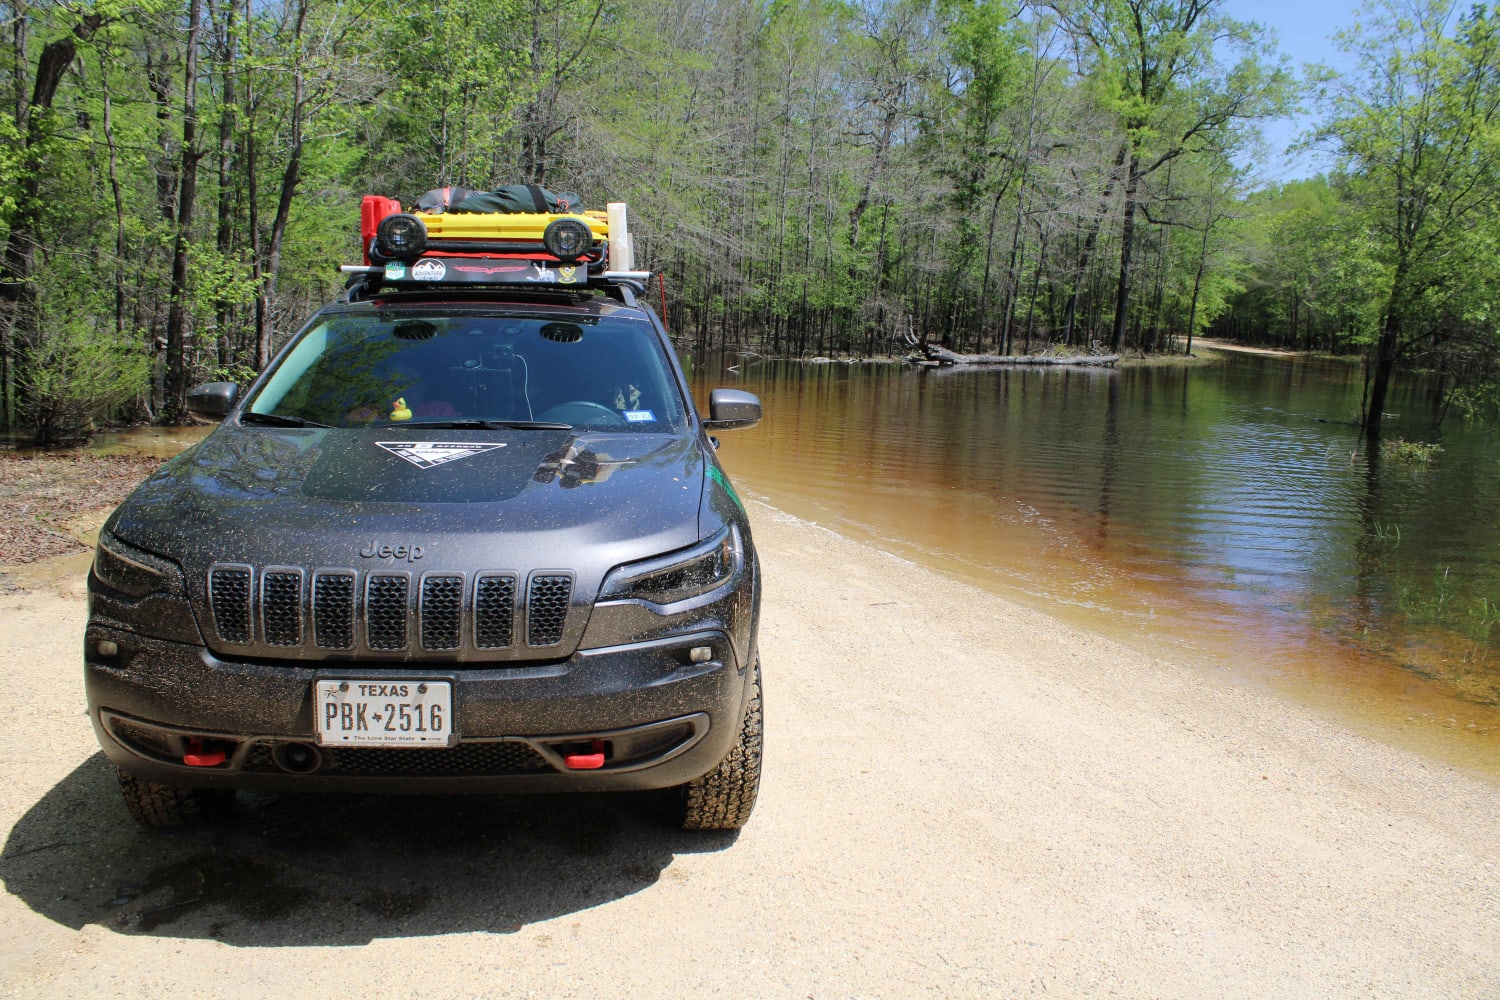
[212, 400]
[732, 409]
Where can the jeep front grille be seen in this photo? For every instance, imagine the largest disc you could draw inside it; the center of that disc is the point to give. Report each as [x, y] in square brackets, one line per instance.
[281, 606]
[494, 610]
[229, 594]
[333, 610]
[387, 612]
[442, 606]
[547, 608]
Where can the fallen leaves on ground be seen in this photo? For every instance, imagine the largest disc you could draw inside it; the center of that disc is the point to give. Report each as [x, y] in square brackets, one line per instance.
[42, 495]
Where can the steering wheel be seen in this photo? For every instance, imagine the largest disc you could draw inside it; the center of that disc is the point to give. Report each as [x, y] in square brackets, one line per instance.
[581, 411]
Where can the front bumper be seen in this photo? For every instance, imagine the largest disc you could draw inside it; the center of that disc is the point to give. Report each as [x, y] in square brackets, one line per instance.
[661, 719]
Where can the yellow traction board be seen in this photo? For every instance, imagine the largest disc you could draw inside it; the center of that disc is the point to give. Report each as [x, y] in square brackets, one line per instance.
[504, 225]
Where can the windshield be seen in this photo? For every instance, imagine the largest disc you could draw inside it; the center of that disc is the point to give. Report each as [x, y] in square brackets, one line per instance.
[374, 369]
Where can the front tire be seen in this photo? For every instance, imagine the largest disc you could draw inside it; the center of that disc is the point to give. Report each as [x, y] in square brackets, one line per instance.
[723, 798]
[166, 807]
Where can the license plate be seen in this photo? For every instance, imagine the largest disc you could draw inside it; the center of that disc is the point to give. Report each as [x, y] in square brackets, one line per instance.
[366, 713]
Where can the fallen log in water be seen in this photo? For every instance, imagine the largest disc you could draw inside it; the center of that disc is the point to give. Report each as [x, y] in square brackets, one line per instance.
[944, 356]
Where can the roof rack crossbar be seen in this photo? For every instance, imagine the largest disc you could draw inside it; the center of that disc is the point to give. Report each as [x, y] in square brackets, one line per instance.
[378, 272]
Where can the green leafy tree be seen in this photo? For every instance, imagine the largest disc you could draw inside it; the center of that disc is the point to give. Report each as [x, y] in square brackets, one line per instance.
[1156, 65]
[1415, 126]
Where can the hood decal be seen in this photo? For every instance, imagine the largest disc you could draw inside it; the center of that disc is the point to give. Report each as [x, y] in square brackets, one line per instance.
[430, 454]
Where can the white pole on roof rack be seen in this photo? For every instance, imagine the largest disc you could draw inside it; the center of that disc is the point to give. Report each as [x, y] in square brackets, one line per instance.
[621, 247]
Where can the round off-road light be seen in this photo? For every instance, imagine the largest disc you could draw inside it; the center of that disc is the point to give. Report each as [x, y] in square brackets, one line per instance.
[401, 236]
[567, 239]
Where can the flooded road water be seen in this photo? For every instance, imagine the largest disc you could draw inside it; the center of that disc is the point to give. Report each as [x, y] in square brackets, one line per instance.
[1228, 511]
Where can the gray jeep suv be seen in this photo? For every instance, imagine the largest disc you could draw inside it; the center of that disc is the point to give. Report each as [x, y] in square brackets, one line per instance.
[453, 539]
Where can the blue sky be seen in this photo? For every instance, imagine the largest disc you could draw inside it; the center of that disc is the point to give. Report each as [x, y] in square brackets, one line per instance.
[1304, 33]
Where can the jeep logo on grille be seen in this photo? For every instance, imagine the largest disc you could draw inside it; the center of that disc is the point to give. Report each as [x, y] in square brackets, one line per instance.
[381, 550]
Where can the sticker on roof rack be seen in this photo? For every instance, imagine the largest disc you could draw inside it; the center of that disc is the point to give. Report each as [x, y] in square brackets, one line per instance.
[487, 271]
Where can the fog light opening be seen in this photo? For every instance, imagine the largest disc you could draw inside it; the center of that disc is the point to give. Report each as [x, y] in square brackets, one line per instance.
[108, 647]
[297, 758]
[701, 654]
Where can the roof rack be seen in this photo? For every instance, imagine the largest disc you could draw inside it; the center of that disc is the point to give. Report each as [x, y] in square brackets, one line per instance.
[561, 252]
[363, 288]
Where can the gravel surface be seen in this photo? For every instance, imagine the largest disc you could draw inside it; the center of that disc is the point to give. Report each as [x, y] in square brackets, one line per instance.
[962, 798]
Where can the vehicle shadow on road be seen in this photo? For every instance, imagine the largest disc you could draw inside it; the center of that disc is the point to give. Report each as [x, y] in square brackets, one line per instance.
[335, 869]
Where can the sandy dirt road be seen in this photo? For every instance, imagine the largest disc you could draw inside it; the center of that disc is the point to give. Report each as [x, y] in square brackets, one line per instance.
[962, 799]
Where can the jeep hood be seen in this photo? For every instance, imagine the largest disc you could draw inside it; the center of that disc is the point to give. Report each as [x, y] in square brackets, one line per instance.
[420, 499]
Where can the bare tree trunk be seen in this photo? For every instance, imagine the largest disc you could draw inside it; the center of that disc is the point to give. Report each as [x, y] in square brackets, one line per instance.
[257, 272]
[1012, 278]
[1193, 307]
[291, 176]
[989, 267]
[1385, 358]
[1036, 281]
[1071, 312]
[224, 238]
[174, 406]
[159, 82]
[1127, 243]
[20, 59]
[119, 201]
[877, 169]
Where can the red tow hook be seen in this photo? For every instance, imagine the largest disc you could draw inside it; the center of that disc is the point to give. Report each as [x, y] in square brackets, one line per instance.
[586, 761]
[196, 756]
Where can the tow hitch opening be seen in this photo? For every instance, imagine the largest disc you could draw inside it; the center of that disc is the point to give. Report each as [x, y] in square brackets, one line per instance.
[198, 752]
[590, 761]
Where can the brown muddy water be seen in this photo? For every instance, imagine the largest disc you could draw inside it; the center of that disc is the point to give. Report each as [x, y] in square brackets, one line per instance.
[1225, 513]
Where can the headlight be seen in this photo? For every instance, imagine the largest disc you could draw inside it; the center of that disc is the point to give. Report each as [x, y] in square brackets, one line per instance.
[133, 572]
[678, 576]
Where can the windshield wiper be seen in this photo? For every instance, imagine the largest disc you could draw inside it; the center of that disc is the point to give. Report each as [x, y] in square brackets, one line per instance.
[277, 420]
[490, 425]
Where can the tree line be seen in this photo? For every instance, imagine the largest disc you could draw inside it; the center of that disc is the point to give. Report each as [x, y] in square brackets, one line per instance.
[1396, 253]
[180, 178]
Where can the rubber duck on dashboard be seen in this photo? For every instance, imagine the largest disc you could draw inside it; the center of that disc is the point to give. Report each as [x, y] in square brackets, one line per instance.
[399, 410]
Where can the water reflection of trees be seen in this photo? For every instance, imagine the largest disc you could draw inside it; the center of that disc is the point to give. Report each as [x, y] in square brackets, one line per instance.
[1235, 496]
[356, 375]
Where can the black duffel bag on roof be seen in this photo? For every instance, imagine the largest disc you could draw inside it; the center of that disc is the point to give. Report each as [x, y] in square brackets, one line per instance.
[513, 198]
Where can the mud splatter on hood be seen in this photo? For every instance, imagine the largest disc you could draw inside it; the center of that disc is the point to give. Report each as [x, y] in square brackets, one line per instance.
[470, 499]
